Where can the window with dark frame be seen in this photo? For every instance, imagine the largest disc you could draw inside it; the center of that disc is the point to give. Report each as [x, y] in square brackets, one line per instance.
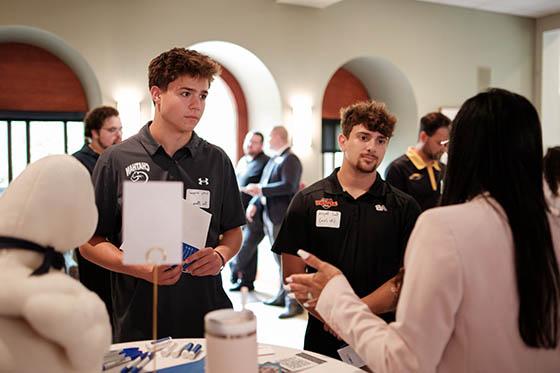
[28, 136]
[332, 156]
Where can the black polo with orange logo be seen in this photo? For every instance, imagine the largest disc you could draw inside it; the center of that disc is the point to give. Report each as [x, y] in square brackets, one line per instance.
[364, 237]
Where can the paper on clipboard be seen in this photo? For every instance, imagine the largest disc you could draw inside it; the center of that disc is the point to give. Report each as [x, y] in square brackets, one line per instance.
[152, 219]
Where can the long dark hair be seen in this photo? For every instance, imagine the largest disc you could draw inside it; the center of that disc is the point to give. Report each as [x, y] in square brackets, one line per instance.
[496, 147]
[552, 169]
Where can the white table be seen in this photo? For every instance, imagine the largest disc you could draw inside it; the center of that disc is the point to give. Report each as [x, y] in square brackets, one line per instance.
[279, 352]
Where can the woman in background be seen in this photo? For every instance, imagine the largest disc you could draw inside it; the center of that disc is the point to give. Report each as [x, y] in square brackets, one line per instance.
[481, 290]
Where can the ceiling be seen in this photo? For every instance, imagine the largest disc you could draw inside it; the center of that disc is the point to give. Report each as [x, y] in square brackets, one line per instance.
[526, 8]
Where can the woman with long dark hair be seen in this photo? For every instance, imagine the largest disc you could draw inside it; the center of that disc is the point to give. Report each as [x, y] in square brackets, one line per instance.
[552, 179]
[481, 291]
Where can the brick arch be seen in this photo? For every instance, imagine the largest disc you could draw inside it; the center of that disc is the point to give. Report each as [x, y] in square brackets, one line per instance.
[33, 79]
[343, 89]
[241, 105]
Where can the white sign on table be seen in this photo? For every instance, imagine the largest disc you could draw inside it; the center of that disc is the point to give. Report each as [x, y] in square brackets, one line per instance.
[152, 220]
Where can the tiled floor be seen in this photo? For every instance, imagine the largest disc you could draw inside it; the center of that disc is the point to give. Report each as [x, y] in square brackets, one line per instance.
[270, 329]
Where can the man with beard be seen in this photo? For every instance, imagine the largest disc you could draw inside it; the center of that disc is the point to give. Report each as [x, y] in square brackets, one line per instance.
[419, 172]
[103, 128]
[249, 170]
[354, 219]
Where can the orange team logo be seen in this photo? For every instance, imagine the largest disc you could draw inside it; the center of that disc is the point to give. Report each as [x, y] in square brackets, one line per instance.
[326, 203]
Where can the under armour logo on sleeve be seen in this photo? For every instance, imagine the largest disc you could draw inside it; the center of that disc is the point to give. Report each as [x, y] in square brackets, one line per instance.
[203, 181]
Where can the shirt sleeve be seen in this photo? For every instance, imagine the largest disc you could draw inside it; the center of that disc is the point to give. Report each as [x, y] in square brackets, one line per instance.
[293, 232]
[395, 177]
[232, 214]
[431, 295]
[105, 188]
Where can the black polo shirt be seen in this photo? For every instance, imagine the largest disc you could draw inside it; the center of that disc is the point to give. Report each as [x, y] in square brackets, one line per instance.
[410, 174]
[364, 237]
[92, 276]
[200, 166]
[87, 157]
[249, 170]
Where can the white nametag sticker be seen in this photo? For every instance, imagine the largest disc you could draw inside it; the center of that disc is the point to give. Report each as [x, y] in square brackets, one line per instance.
[349, 356]
[328, 219]
[199, 198]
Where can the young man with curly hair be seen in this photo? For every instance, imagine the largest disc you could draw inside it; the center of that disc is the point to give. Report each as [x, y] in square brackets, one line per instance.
[168, 149]
[352, 218]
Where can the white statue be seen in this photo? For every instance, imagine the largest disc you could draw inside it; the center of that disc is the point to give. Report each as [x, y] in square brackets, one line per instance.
[49, 322]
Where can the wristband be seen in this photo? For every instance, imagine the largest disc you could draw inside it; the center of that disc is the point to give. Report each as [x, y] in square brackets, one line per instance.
[222, 259]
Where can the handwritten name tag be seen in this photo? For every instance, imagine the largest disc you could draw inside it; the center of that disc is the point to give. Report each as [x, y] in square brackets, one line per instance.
[328, 219]
[199, 198]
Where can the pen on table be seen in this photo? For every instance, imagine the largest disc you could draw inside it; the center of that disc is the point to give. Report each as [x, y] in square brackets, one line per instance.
[133, 363]
[157, 341]
[121, 359]
[143, 363]
[186, 347]
[116, 354]
[169, 349]
[195, 351]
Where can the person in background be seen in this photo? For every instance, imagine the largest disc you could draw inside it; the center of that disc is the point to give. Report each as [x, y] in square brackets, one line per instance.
[552, 179]
[102, 129]
[249, 170]
[481, 292]
[274, 192]
[419, 172]
[353, 219]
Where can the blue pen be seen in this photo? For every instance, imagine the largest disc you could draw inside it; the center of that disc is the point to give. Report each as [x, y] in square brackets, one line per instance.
[124, 351]
[143, 363]
[121, 359]
[134, 363]
[186, 347]
[195, 351]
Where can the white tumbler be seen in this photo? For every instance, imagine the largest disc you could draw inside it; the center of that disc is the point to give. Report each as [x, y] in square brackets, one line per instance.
[231, 341]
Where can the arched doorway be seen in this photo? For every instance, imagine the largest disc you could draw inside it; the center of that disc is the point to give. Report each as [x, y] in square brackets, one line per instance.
[383, 81]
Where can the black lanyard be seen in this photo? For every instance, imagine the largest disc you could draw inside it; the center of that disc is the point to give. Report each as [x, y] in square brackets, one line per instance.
[52, 259]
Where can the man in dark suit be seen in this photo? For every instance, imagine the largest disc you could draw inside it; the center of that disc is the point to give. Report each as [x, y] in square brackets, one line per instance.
[249, 170]
[278, 184]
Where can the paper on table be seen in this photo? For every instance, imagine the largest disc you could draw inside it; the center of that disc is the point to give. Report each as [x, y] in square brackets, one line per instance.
[195, 225]
[152, 218]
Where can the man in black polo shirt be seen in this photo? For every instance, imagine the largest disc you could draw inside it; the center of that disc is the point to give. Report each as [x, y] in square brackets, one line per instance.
[169, 149]
[419, 172]
[249, 170]
[103, 128]
[352, 218]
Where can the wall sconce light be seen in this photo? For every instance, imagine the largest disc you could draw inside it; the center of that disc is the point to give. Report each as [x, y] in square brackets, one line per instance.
[128, 106]
[301, 123]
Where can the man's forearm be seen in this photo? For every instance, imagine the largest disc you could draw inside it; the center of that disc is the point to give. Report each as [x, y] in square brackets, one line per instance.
[230, 243]
[384, 298]
[103, 253]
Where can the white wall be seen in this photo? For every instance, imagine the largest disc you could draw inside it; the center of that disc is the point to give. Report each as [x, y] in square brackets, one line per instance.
[438, 48]
[547, 77]
[550, 108]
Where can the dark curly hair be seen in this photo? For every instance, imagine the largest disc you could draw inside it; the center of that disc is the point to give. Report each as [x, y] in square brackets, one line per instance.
[176, 62]
[95, 118]
[373, 115]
